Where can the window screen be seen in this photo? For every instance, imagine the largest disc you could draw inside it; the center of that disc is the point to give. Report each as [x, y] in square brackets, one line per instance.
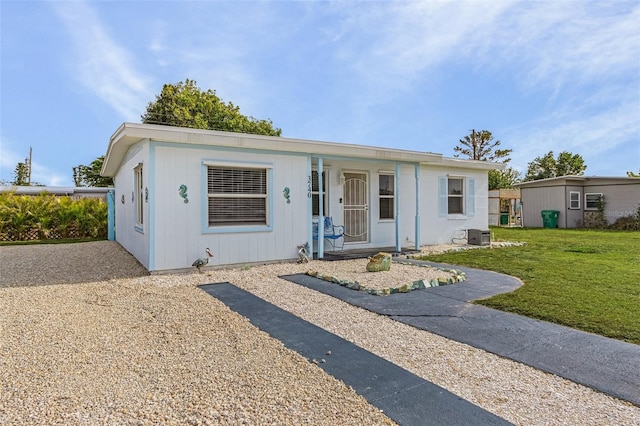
[237, 196]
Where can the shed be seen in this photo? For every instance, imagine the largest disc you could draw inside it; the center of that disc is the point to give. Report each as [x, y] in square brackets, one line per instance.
[504, 207]
[579, 199]
[253, 199]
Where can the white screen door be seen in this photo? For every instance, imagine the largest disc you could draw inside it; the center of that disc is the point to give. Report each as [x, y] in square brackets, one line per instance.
[356, 208]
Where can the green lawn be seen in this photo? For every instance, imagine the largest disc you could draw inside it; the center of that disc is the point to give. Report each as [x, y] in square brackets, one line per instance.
[585, 279]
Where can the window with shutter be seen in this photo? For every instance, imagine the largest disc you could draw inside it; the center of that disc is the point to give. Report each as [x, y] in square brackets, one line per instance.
[456, 196]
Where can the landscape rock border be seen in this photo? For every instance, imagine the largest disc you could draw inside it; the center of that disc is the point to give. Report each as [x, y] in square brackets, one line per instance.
[457, 277]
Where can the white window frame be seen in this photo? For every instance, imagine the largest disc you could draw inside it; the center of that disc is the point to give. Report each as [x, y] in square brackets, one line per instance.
[574, 197]
[588, 204]
[261, 192]
[391, 197]
[138, 199]
[315, 194]
[461, 196]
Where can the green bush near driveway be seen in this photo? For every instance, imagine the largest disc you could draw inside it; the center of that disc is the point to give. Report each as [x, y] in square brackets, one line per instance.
[584, 279]
[48, 217]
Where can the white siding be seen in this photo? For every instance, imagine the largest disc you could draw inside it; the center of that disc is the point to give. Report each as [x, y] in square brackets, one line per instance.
[436, 229]
[134, 241]
[180, 234]
[175, 232]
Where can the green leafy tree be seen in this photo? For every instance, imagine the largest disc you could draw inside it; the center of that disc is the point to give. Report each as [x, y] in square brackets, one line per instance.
[636, 175]
[501, 179]
[482, 146]
[90, 175]
[566, 164]
[186, 105]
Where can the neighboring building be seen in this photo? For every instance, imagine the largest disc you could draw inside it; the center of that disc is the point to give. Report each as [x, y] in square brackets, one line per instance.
[577, 198]
[504, 207]
[252, 198]
[74, 192]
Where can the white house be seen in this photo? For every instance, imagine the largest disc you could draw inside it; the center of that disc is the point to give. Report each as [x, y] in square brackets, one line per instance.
[252, 198]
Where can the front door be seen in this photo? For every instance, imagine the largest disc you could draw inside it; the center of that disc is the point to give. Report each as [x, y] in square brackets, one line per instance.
[356, 208]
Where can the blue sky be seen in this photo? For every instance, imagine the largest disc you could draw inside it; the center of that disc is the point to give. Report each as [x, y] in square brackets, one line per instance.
[541, 76]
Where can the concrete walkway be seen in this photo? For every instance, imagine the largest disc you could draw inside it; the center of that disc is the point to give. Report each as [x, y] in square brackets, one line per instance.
[607, 365]
[404, 397]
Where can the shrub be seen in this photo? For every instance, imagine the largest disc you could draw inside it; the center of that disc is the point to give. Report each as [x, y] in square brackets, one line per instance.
[45, 216]
[628, 223]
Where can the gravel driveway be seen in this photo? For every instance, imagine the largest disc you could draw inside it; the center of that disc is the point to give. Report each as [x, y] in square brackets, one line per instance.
[44, 264]
[116, 346]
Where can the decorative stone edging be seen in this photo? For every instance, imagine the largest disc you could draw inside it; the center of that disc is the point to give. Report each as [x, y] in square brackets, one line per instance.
[494, 244]
[458, 276]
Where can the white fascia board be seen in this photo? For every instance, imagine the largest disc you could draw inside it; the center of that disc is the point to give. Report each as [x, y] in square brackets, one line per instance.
[471, 164]
[130, 133]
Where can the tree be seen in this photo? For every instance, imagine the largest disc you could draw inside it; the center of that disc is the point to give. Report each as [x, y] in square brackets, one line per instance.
[185, 105]
[565, 164]
[636, 175]
[500, 179]
[90, 175]
[481, 146]
[21, 175]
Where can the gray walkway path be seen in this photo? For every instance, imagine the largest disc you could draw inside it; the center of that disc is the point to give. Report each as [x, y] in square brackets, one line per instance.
[403, 396]
[604, 364]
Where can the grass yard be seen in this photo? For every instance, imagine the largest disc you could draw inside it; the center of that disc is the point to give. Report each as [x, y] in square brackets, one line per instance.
[585, 279]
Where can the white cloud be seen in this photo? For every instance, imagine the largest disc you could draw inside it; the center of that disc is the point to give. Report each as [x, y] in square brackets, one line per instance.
[590, 135]
[102, 66]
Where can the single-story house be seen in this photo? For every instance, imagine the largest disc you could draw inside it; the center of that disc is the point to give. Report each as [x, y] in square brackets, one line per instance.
[252, 198]
[577, 198]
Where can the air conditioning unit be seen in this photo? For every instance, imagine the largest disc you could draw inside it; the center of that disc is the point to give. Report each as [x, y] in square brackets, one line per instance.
[479, 237]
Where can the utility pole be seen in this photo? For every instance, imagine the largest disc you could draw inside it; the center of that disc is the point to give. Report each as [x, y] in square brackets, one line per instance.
[28, 163]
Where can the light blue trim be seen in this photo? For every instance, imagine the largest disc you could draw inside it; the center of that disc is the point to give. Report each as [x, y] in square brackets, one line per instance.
[320, 209]
[309, 205]
[471, 198]
[151, 207]
[236, 163]
[396, 190]
[443, 208]
[111, 207]
[417, 224]
[205, 228]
